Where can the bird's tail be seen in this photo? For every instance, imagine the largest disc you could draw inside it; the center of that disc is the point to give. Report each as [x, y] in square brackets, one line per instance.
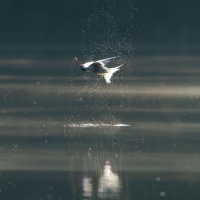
[110, 72]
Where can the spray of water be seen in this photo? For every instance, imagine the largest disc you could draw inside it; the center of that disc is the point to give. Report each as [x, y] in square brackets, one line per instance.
[104, 35]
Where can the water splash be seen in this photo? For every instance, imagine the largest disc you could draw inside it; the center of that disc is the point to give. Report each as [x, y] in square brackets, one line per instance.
[85, 125]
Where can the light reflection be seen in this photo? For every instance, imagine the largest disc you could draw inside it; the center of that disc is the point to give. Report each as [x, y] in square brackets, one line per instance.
[87, 187]
[109, 183]
[106, 187]
[94, 125]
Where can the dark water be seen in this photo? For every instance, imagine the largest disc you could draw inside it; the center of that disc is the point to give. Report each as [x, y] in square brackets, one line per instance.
[58, 138]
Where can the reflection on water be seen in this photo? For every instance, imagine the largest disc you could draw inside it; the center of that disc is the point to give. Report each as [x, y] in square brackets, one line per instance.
[109, 183]
[106, 186]
[87, 187]
[74, 137]
[95, 125]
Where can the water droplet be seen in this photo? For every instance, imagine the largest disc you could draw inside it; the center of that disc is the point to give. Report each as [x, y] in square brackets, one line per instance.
[162, 194]
[158, 178]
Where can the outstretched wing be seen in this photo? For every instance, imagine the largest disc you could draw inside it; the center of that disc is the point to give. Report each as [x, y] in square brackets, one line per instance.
[110, 72]
[96, 64]
[107, 60]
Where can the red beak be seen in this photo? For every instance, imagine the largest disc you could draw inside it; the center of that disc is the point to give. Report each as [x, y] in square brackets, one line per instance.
[79, 64]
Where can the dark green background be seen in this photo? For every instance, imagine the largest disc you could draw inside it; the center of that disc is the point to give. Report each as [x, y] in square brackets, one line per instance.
[62, 21]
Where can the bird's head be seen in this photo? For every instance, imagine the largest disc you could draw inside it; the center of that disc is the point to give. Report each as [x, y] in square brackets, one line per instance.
[79, 64]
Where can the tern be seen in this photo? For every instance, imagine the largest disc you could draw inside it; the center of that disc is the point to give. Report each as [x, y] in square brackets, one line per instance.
[98, 67]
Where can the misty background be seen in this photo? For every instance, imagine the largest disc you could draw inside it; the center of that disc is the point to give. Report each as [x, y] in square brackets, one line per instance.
[62, 22]
[58, 133]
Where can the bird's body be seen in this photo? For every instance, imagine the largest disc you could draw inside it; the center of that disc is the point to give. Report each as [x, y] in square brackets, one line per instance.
[98, 67]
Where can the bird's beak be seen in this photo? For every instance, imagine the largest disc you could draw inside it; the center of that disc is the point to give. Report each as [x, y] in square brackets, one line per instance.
[79, 64]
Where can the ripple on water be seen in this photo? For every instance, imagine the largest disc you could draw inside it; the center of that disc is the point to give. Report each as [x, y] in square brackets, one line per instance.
[85, 125]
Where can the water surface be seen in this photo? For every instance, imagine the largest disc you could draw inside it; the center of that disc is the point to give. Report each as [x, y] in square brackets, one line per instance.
[66, 134]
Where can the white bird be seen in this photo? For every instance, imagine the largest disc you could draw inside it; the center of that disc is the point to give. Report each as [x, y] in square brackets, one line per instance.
[98, 67]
